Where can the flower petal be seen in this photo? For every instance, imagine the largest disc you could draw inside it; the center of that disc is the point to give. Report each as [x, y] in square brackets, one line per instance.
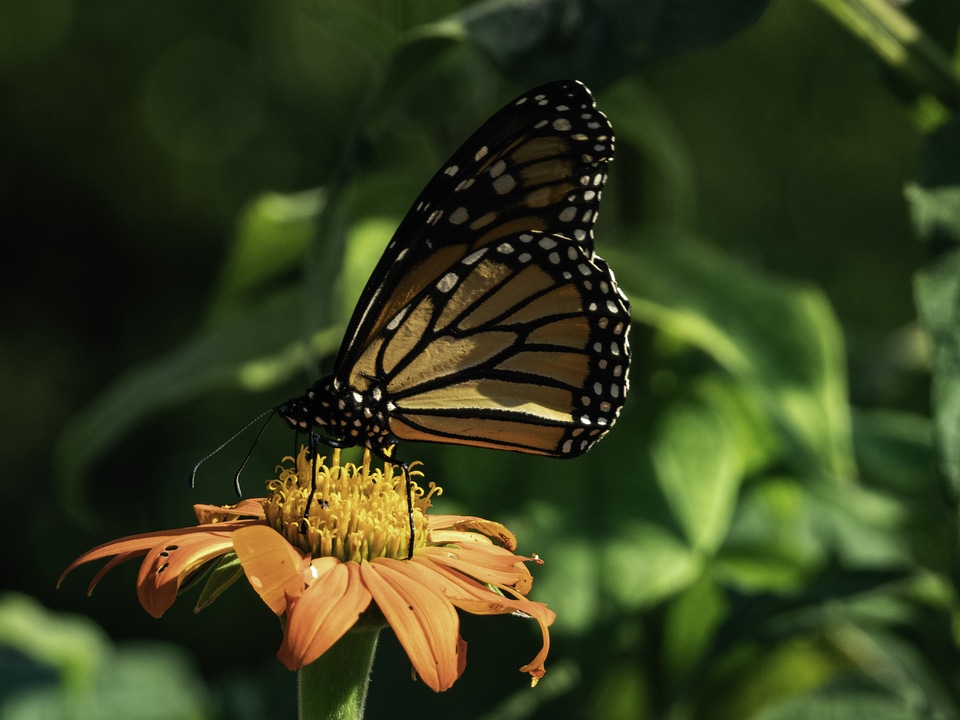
[272, 565]
[425, 623]
[249, 507]
[462, 523]
[488, 564]
[326, 610]
[169, 564]
[470, 596]
[135, 545]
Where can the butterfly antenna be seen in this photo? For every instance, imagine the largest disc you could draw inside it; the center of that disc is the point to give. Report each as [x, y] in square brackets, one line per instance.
[236, 480]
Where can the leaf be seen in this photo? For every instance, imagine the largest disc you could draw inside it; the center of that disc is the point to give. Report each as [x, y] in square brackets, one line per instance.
[645, 565]
[773, 545]
[842, 705]
[594, 40]
[778, 338]
[690, 624]
[225, 572]
[934, 199]
[697, 454]
[272, 235]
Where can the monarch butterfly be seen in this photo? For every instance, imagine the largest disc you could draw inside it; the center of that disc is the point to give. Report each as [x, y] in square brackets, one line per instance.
[489, 320]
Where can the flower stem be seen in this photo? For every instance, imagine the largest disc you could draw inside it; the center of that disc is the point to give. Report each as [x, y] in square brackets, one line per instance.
[896, 38]
[334, 686]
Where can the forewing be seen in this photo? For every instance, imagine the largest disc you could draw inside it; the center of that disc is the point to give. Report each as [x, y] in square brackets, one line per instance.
[538, 164]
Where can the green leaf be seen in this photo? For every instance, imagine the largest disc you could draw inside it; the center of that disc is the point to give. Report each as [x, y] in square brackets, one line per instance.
[644, 125]
[895, 450]
[531, 40]
[778, 338]
[691, 622]
[646, 564]
[934, 191]
[773, 544]
[272, 235]
[935, 207]
[226, 571]
[840, 704]
[897, 39]
[69, 669]
[696, 451]
[75, 646]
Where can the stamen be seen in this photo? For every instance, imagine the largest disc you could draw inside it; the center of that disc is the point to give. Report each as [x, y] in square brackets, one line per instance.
[349, 511]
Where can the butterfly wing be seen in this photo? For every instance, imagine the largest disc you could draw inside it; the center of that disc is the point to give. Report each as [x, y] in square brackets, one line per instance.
[521, 346]
[538, 164]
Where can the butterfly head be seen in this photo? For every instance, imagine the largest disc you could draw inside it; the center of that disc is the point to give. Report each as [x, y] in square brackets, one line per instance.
[349, 416]
[311, 410]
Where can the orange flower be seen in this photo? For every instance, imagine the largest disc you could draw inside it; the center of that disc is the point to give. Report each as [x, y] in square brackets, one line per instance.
[345, 562]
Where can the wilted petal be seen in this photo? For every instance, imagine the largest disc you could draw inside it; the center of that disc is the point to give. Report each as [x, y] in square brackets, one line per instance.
[471, 525]
[488, 564]
[426, 624]
[272, 565]
[470, 596]
[326, 610]
[170, 563]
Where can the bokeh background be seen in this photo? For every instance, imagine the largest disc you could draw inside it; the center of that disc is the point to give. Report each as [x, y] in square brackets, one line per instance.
[192, 195]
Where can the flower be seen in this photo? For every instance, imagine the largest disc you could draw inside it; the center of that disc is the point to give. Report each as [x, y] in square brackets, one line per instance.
[343, 562]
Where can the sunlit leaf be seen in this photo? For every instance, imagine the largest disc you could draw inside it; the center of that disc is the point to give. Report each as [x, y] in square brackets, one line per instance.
[647, 564]
[778, 338]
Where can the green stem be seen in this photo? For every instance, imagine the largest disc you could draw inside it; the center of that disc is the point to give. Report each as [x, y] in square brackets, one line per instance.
[334, 687]
[901, 42]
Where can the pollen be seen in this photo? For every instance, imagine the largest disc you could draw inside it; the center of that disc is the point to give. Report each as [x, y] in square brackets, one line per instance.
[355, 513]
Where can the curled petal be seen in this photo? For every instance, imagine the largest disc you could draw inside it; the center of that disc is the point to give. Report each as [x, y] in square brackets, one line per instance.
[272, 565]
[247, 508]
[470, 596]
[170, 563]
[493, 565]
[471, 525]
[326, 610]
[425, 622]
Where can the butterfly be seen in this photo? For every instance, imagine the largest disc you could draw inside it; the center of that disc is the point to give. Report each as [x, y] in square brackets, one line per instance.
[490, 321]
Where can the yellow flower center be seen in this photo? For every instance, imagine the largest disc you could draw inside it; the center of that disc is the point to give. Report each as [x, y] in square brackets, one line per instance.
[355, 513]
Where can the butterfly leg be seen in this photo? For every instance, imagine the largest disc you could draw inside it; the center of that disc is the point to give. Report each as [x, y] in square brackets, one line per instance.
[386, 453]
[408, 491]
[313, 453]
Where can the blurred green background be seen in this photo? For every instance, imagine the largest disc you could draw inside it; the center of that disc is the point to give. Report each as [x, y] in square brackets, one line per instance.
[193, 194]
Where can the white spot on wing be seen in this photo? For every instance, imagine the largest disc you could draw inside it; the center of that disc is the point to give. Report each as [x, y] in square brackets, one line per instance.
[504, 184]
[397, 319]
[446, 283]
[474, 256]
